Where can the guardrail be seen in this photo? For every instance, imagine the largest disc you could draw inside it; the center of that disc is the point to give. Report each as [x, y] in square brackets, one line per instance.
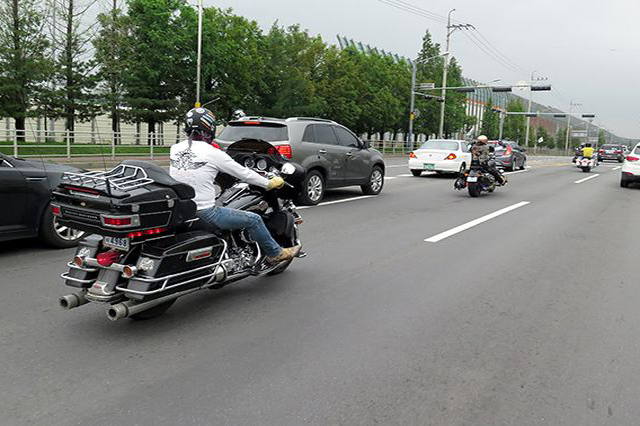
[67, 144]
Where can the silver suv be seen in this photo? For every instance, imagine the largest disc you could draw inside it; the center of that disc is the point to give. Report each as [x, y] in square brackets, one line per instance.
[333, 155]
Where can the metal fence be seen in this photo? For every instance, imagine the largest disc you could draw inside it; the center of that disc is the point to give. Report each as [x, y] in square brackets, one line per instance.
[68, 144]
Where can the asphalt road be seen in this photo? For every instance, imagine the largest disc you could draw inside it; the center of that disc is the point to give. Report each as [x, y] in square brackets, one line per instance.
[529, 317]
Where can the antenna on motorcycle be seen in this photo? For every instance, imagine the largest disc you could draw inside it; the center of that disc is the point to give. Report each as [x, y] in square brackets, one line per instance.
[211, 101]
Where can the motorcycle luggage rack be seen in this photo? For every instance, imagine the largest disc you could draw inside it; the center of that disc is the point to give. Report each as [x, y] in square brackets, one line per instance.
[123, 177]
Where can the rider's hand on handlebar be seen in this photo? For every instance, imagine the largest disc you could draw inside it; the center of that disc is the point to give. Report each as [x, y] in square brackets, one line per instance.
[275, 182]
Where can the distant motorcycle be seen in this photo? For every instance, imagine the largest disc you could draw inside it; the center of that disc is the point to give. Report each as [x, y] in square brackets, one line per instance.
[586, 164]
[477, 180]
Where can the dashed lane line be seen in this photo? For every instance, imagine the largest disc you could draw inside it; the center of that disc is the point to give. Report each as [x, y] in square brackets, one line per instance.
[453, 231]
[587, 178]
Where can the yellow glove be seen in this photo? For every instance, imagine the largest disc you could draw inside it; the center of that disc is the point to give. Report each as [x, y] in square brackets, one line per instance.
[275, 182]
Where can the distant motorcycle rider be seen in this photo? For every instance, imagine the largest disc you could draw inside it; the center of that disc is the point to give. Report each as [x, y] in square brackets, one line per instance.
[482, 153]
[197, 163]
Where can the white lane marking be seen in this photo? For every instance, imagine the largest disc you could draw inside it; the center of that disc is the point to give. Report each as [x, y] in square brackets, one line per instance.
[405, 175]
[617, 168]
[587, 178]
[464, 227]
[390, 177]
[326, 203]
[397, 165]
[514, 172]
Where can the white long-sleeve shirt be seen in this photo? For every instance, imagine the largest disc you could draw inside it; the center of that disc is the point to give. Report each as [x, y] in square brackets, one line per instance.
[199, 165]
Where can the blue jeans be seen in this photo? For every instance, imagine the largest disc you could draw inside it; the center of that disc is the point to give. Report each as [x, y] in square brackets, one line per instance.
[230, 219]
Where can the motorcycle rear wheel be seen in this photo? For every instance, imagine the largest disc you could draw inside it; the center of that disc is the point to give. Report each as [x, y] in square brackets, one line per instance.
[474, 189]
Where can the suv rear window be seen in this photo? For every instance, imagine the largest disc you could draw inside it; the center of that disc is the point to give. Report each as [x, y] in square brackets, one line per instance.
[436, 144]
[610, 147]
[270, 132]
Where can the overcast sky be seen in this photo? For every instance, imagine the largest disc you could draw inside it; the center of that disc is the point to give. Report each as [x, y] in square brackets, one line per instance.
[588, 48]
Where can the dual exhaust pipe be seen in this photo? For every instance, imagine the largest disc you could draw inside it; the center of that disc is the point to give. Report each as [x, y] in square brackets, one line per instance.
[130, 307]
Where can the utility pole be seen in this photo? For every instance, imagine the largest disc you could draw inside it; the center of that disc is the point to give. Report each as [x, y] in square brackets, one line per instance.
[450, 30]
[526, 138]
[444, 77]
[566, 141]
[502, 117]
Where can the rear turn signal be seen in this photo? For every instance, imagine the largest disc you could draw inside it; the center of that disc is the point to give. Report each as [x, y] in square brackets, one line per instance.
[412, 155]
[284, 150]
[451, 156]
[117, 221]
[632, 158]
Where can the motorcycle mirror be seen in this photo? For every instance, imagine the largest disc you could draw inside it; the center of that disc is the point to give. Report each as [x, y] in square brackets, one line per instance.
[288, 169]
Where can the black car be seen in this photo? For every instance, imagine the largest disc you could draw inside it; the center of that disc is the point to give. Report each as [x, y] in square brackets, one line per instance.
[25, 194]
[509, 154]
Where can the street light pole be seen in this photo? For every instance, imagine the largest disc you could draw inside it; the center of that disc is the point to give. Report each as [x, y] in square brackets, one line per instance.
[412, 117]
[566, 141]
[199, 60]
[412, 103]
[444, 77]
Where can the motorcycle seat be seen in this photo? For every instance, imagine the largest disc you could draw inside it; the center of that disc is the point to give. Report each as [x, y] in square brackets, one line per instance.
[162, 177]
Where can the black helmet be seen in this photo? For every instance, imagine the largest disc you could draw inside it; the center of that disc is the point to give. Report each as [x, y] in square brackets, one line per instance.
[199, 123]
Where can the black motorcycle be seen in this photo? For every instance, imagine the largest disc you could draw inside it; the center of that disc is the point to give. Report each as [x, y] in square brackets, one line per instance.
[477, 180]
[147, 247]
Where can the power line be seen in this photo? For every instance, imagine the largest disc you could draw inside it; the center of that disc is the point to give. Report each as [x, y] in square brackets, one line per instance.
[398, 4]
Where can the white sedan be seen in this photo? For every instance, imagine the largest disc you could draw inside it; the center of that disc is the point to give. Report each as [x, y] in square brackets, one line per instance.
[440, 155]
[631, 168]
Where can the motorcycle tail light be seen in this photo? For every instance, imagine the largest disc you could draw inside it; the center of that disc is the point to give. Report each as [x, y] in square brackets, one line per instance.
[56, 210]
[412, 155]
[152, 231]
[128, 271]
[285, 150]
[215, 144]
[121, 221]
[107, 258]
[451, 156]
[632, 158]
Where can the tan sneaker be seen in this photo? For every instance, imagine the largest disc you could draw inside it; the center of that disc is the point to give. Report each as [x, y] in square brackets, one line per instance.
[286, 254]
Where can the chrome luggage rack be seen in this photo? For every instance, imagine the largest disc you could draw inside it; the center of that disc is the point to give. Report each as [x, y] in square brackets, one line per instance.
[123, 177]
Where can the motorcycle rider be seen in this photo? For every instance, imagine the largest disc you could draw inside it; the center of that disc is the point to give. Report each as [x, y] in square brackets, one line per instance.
[197, 163]
[587, 151]
[481, 152]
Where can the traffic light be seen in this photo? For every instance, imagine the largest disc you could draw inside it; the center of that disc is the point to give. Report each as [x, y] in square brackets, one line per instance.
[559, 115]
[464, 89]
[588, 116]
[531, 114]
[501, 89]
[540, 88]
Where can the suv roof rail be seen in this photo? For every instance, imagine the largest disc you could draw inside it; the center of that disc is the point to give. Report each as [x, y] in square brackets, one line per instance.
[324, 120]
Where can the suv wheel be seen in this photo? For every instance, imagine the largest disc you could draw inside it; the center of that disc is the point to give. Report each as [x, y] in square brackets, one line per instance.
[312, 189]
[376, 182]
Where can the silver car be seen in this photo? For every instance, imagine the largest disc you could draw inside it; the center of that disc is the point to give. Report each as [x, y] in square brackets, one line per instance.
[333, 155]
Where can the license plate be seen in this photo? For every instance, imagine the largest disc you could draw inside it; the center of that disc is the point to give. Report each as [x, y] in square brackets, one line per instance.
[429, 166]
[117, 243]
[472, 179]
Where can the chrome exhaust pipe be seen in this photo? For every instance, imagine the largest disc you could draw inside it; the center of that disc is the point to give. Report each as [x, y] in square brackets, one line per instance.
[73, 300]
[130, 307]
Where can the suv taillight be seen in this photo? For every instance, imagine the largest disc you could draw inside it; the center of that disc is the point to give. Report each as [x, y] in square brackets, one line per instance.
[632, 158]
[285, 151]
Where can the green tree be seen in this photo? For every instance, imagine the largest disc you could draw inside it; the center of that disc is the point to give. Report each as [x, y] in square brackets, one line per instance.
[602, 138]
[515, 125]
[24, 66]
[157, 53]
[111, 56]
[490, 122]
[73, 79]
